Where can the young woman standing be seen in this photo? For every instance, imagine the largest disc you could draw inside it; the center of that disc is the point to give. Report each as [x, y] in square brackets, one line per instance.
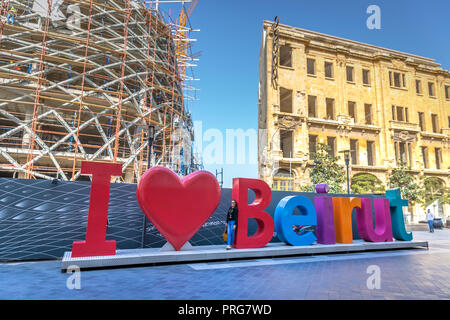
[232, 219]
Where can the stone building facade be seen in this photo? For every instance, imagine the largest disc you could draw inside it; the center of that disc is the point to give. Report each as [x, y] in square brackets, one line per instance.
[385, 106]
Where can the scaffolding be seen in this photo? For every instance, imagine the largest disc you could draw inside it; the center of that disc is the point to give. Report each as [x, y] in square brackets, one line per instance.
[84, 80]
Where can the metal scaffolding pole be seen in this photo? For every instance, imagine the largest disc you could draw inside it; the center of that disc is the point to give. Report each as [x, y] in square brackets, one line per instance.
[69, 69]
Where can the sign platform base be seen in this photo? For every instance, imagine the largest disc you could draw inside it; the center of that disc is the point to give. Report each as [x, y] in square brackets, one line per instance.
[152, 256]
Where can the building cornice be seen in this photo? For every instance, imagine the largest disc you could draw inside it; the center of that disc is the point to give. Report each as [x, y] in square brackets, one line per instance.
[312, 39]
[435, 172]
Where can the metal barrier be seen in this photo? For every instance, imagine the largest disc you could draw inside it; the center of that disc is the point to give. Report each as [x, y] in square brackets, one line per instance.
[40, 219]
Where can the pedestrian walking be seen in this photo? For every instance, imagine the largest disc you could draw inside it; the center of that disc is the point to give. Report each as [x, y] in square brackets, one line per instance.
[430, 219]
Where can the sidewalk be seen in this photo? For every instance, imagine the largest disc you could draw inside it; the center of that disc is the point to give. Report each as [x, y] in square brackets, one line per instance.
[406, 274]
[439, 234]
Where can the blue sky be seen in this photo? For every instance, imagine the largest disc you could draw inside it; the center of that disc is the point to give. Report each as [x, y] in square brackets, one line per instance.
[230, 40]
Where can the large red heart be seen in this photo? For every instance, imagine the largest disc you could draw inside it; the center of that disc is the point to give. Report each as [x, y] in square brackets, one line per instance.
[178, 207]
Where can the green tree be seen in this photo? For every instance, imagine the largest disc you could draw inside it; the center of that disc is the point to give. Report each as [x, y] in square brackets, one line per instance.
[410, 189]
[326, 170]
[434, 189]
[366, 183]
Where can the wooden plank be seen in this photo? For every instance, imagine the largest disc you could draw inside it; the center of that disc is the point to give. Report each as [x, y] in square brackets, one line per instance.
[43, 96]
[16, 54]
[20, 102]
[113, 93]
[67, 38]
[165, 90]
[17, 76]
[96, 4]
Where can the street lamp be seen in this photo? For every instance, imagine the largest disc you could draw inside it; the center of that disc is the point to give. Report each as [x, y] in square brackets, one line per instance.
[150, 137]
[347, 164]
[313, 170]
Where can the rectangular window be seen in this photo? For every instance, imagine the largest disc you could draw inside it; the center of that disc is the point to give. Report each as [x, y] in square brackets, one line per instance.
[447, 92]
[400, 114]
[410, 155]
[330, 108]
[425, 157]
[393, 113]
[328, 70]
[352, 110]
[402, 150]
[397, 79]
[366, 76]
[431, 89]
[370, 153]
[397, 152]
[368, 113]
[312, 106]
[286, 143]
[406, 115]
[286, 56]
[418, 87]
[311, 66]
[331, 142]
[350, 77]
[434, 123]
[312, 146]
[422, 121]
[285, 100]
[354, 151]
[437, 155]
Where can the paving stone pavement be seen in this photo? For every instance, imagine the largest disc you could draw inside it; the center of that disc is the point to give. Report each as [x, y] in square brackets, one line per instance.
[404, 274]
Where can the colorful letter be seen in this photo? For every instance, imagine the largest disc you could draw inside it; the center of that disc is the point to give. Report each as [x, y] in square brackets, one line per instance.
[263, 194]
[285, 220]
[96, 244]
[343, 208]
[398, 224]
[364, 218]
[325, 220]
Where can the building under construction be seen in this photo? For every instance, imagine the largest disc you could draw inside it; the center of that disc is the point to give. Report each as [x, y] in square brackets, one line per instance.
[90, 80]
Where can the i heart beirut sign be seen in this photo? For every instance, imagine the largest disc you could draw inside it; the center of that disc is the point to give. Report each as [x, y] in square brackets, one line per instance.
[178, 207]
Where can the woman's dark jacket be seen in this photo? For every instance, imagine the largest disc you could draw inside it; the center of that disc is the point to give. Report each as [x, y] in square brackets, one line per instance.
[232, 215]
